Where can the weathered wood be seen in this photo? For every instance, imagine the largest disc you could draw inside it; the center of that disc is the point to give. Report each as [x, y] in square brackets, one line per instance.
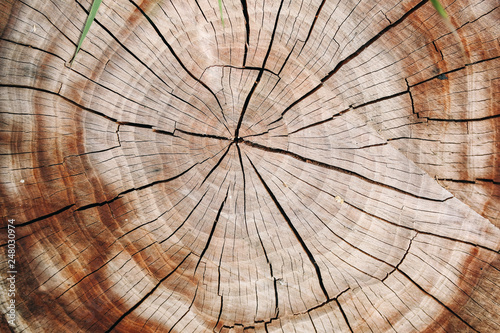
[328, 166]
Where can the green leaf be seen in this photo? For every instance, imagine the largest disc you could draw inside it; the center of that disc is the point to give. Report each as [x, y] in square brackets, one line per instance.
[439, 9]
[90, 19]
[220, 9]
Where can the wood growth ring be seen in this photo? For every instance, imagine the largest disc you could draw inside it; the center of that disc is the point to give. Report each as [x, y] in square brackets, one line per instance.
[303, 166]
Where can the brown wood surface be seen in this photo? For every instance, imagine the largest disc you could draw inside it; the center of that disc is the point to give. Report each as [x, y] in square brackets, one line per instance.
[307, 166]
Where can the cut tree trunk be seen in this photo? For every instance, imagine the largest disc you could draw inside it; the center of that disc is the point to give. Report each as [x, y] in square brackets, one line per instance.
[297, 166]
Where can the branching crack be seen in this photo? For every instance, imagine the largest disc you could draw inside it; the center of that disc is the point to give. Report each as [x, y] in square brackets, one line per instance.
[173, 52]
[146, 66]
[188, 310]
[403, 258]
[180, 62]
[294, 230]
[339, 169]
[259, 76]
[352, 107]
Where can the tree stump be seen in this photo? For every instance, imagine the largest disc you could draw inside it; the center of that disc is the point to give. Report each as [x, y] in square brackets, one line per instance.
[295, 166]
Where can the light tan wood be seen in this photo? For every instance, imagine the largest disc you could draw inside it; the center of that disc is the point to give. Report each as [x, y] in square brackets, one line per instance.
[318, 166]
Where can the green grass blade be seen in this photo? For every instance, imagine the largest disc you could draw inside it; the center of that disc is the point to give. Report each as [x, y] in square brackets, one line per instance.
[90, 19]
[220, 9]
[440, 9]
[446, 19]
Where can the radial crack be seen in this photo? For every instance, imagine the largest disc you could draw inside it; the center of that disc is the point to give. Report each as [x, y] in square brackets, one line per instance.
[212, 231]
[352, 107]
[294, 230]
[119, 195]
[61, 96]
[93, 272]
[189, 309]
[204, 135]
[437, 300]
[42, 217]
[148, 68]
[344, 315]
[402, 258]
[250, 68]
[33, 47]
[355, 54]
[444, 74]
[462, 120]
[312, 25]
[259, 76]
[179, 60]
[129, 311]
[336, 168]
[244, 186]
[247, 29]
[217, 164]
[220, 313]
[187, 218]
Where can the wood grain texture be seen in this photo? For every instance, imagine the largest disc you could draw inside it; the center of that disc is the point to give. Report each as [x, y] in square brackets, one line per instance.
[309, 166]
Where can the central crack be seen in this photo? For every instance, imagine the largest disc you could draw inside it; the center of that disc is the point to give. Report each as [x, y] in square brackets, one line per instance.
[238, 140]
